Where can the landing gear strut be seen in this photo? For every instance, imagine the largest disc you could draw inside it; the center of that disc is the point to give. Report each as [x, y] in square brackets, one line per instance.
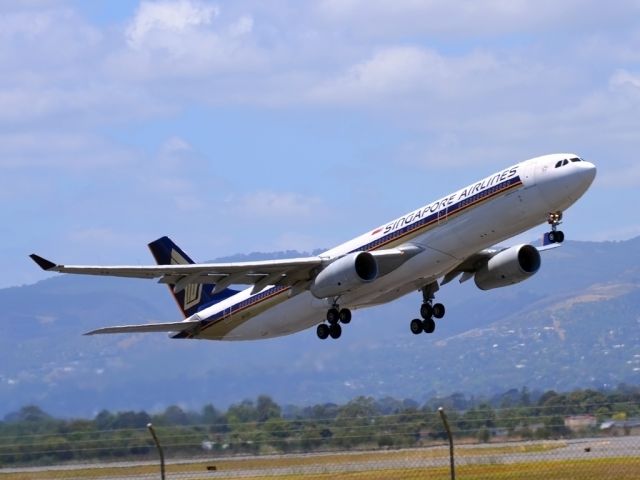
[335, 316]
[555, 236]
[428, 311]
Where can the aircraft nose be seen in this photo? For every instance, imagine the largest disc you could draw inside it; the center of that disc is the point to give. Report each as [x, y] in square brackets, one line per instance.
[587, 172]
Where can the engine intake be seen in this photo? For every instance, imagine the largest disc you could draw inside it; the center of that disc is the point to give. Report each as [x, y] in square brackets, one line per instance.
[345, 274]
[509, 267]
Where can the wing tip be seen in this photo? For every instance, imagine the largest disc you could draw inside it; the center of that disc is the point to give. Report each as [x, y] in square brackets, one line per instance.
[43, 263]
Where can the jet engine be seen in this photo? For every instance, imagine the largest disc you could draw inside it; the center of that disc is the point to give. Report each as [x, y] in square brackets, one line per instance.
[508, 267]
[345, 274]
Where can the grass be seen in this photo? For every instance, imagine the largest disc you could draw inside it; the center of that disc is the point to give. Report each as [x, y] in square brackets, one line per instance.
[619, 468]
[595, 469]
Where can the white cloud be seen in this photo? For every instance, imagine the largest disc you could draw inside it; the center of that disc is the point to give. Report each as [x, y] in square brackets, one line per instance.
[155, 20]
[180, 175]
[466, 18]
[56, 36]
[243, 26]
[111, 240]
[421, 84]
[55, 149]
[175, 145]
[269, 205]
[179, 39]
[622, 79]
[418, 77]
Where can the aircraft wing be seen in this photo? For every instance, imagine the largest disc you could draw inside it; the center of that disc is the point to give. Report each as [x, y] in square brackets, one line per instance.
[260, 274]
[285, 272]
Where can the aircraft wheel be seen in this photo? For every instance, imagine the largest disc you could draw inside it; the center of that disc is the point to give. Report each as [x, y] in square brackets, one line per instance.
[438, 310]
[345, 316]
[426, 310]
[559, 236]
[552, 237]
[322, 331]
[429, 325]
[333, 316]
[335, 330]
[416, 326]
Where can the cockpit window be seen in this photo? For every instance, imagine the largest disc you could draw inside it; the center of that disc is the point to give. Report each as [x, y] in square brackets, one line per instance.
[562, 163]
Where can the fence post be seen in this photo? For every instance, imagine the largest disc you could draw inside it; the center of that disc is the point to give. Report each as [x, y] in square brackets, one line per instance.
[443, 416]
[155, 439]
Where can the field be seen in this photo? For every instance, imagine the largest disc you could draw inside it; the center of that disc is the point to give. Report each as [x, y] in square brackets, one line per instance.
[617, 458]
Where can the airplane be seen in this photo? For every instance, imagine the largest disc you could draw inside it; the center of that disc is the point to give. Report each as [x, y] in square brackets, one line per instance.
[420, 251]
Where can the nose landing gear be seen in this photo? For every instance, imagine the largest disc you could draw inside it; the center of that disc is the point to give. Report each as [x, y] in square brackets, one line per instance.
[428, 311]
[555, 236]
[335, 316]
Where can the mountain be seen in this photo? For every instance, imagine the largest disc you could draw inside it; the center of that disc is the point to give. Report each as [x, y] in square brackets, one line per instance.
[574, 324]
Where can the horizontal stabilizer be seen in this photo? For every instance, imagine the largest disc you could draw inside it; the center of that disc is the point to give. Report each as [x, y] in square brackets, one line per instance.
[147, 328]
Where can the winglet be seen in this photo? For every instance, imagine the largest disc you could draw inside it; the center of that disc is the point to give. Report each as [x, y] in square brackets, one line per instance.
[43, 263]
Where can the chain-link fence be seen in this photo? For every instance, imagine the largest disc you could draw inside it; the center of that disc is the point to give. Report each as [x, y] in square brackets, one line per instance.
[523, 443]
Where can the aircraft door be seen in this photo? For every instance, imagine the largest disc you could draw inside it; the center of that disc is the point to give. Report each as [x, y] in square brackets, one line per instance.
[442, 214]
[536, 171]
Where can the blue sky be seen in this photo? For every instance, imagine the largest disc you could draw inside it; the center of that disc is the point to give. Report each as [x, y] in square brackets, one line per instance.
[257, 126]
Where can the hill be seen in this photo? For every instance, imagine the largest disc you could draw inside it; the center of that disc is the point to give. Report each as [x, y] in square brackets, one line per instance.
[574, 324]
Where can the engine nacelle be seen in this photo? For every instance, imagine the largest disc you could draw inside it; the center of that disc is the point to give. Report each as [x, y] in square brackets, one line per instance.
[508, 267]
[345, 274]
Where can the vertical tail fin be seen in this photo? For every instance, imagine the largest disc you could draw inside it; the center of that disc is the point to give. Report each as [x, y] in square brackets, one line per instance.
[195, 296]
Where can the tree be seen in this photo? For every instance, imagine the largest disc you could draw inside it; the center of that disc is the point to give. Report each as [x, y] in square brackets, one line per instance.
[174, 415]
[358, 408]
[104, 420]
[30, 413]
[215, 419]
[242, 412]
[266, 408]
[131, 420]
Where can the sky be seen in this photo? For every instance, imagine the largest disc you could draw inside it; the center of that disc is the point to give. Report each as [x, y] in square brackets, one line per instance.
[246, 125]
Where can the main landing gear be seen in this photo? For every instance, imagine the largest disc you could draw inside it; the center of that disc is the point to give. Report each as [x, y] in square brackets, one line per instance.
[555, 236]
[335, 316]
[428, 311]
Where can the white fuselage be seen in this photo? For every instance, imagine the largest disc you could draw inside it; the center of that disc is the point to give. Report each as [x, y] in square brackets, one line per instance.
[447, 231]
